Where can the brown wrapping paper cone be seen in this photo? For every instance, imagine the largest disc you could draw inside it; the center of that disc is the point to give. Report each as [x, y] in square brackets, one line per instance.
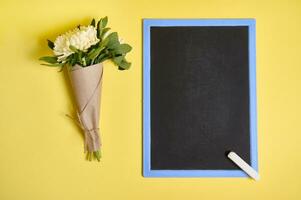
[87, 84]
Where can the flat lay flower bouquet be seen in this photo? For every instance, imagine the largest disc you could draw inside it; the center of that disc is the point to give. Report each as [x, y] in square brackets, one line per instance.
[82, 52]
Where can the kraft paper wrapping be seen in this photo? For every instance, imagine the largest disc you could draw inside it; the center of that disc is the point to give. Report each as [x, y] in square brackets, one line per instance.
[87, 84]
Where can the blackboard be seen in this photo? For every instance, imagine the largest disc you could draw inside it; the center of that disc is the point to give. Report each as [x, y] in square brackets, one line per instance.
[199, 96]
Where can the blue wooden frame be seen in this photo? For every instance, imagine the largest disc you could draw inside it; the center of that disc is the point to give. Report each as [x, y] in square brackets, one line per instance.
[147, 24]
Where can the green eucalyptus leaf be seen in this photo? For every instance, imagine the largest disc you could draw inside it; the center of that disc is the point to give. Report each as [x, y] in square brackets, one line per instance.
[124, 64]
[84, 61]
[99, 30]
[49, 59]
[120, 68]
[122, 49]
[50, 44]
[104, 43]
[73, 60]
[100, 58]
[95, 53]
[104, 31]
[118, 60]
[113, 45]
[112, 40]
[93, 22]
[113, 37]
[54, 65]
[79, 57]
[91, 51]
[104, 22]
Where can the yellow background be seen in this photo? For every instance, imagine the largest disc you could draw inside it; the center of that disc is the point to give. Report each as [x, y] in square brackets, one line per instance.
[41, 151]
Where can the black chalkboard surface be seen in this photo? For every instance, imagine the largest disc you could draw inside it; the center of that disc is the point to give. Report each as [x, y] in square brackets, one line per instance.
[199, 98]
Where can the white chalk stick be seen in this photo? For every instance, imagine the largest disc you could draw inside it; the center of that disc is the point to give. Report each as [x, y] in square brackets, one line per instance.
[243, 165]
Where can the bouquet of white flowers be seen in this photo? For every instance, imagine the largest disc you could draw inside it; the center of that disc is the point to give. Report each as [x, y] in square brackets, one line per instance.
[82, 50]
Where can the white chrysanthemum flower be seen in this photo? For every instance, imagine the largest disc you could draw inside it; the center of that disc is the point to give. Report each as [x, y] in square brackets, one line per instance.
[81, 38]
